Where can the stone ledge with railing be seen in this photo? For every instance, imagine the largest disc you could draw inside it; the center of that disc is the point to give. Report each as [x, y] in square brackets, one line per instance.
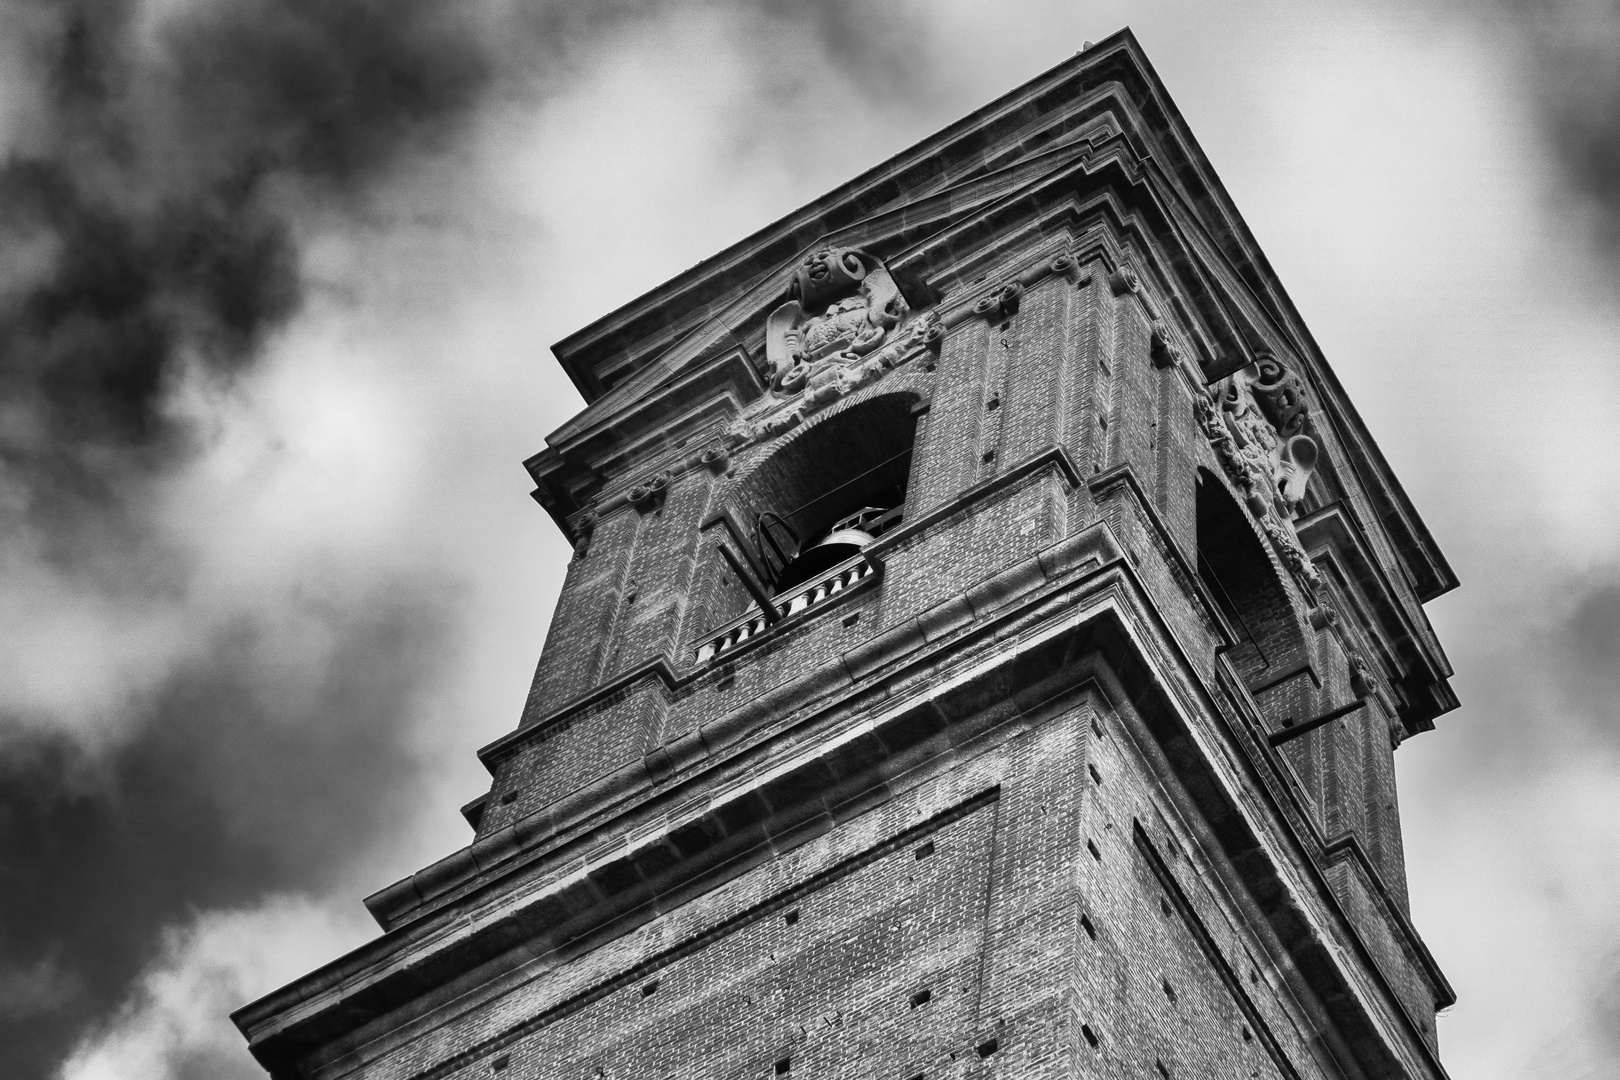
[811, 594]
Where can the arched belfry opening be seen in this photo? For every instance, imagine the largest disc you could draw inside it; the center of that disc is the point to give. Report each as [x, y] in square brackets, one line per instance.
[784, 699]
[1239, 576]
[828, 489]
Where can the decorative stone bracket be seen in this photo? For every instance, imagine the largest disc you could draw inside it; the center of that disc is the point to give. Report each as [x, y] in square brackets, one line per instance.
[646, 495]
[1001, 304]
[1124, 280]
[1162, 347]
[1256, 420]
[584, 527]
[649, 494]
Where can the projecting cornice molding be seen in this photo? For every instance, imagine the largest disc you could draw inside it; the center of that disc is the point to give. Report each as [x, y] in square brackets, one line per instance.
[1084, 624]
[1097, 135]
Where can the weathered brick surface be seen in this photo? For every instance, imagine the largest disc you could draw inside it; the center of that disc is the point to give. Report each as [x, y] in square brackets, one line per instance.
[1081, 343]
[581, 627]
[830, 993]
[590, 743]
[979, 888]
[1133, 415]
[1391, 951]
[661, 575]
[1181, 449]
[1072, 353]
[922, 829]
[1012, 524]
[1039, 359]
[1154, 995]
[948, 459]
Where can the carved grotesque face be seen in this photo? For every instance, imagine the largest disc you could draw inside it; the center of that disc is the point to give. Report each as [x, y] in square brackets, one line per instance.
[828, 275]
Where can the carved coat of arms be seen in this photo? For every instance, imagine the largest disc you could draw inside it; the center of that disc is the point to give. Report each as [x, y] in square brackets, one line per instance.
[843, 326]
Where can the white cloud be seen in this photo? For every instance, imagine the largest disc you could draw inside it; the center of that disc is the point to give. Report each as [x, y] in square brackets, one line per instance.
[1385, 166]
[174, 1019]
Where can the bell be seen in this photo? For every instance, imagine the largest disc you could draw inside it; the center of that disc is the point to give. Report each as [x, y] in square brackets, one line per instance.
[836, 547]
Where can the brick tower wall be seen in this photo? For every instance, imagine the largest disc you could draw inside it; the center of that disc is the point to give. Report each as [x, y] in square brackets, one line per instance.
[1069, 382]
[1073, 370]
[1082, 768]
[1039, 910]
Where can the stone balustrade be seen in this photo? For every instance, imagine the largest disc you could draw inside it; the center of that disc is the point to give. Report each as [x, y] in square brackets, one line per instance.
[802, 598]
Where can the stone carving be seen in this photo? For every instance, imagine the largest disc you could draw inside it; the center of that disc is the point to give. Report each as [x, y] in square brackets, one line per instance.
[844, 326]
[1279, 395]
[1237, 467]
[1001, 304]
[1124, 280]
[1324, 617]
[1264, 412]
[1256, 420]
[715, 458]
[649, 494]
[1364, 683]
[1361, 676]
[841, 306]
[1286, 544]
[584, 527]
[1162, 347]
[1397, 731]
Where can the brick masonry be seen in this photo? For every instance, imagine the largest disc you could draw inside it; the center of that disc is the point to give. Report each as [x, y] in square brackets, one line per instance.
[1026, 799]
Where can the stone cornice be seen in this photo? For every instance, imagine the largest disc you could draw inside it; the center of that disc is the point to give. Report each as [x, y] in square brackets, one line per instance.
[1053, 202]
[977, 143]
[1038, 630]
[1123, 117]
[471, 930]
[1396, 608]
[1345, 847]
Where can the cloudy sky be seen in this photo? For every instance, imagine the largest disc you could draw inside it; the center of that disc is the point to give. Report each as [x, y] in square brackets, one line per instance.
[277, 281]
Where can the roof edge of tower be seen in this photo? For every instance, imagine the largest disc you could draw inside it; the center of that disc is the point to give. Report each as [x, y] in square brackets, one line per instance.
[656, 321]
[668, 309]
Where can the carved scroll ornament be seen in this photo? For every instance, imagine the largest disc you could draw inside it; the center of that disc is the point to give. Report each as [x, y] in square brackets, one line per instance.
[1263, 409]
[1256, 421]
[845, 325]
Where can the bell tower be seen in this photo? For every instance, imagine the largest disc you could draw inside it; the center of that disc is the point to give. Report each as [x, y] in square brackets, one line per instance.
[988, 634]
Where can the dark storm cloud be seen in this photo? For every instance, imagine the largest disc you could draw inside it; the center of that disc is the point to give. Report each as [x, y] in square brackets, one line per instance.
[239, 785]
[152, 203]
[149, 215]
[152, 209]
